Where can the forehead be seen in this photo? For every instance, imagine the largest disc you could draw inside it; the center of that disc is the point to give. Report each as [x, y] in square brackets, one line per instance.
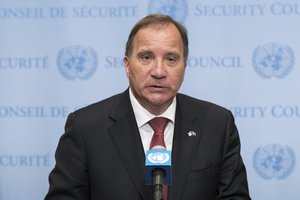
[162, 35]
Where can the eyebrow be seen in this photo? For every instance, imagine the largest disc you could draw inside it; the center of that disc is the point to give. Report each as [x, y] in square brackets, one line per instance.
[173, 53]
[151, 53]
[145, 52]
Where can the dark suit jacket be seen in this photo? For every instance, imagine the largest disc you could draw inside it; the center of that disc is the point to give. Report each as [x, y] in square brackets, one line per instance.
[100, 155]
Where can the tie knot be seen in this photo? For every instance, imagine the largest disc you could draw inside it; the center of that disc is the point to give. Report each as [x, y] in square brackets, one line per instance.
[158, 124]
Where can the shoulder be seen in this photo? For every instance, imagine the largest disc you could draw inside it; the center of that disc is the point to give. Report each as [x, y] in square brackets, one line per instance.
[104, 105]
[190, 106]
[100, 110]
[198, 104]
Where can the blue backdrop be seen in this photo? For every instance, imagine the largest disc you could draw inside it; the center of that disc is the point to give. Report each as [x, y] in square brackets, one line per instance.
[57, 56]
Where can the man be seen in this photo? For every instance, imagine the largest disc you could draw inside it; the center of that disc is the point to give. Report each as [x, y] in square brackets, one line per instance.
[101, 155]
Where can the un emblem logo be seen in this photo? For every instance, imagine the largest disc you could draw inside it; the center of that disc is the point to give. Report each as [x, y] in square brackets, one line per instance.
[273, 60]
[175, 8]
[274, 161]
[77, 62]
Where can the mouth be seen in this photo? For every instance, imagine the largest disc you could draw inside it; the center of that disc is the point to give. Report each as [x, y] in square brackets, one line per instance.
[156, 86]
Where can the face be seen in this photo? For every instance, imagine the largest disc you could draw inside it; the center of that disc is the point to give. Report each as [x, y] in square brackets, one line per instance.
[155, 68]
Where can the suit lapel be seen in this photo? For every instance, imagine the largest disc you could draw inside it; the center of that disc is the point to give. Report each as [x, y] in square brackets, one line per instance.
[126, 137]
[184, 145]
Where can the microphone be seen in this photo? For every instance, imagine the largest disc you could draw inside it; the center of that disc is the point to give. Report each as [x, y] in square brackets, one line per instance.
[158, 170]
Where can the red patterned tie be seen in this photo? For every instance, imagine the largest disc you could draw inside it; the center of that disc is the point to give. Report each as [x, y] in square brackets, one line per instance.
[158, 124]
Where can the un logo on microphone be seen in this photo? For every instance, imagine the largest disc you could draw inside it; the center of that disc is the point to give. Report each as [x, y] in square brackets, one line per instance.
[158, 157]
[77, 62]
[274, 161]
[178, 9]
[273, 60]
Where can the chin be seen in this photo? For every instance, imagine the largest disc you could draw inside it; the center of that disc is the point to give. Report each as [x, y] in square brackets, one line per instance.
[159, 101]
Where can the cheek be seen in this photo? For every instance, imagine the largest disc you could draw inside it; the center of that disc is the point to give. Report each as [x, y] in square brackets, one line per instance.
[136, 76]
[178, 78]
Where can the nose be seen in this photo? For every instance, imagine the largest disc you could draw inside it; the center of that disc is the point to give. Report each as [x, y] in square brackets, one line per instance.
[158, 71]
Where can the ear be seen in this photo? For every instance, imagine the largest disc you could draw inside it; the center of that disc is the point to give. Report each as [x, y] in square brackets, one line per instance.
[126, 64]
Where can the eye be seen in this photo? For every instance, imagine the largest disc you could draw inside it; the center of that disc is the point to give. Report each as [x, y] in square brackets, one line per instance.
[172, 59]
[145, 57]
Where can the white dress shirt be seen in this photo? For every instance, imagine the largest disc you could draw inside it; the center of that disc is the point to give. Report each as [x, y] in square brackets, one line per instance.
[142, 117]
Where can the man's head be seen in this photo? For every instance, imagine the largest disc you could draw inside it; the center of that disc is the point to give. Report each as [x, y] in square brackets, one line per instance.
[155, 60]
[158, 19]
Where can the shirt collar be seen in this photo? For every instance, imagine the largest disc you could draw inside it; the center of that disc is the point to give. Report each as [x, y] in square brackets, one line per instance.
[143, 116]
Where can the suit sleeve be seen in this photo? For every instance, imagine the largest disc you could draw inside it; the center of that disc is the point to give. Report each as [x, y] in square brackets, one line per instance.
[69, 178]
[233, 180]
